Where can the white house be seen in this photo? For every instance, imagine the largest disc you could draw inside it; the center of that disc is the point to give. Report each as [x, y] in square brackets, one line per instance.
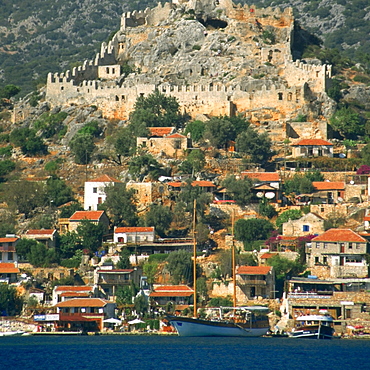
[133, 235]
[7, 249]
[95, 191]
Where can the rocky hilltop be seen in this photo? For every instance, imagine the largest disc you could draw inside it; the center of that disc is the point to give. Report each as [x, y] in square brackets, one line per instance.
[216, 58]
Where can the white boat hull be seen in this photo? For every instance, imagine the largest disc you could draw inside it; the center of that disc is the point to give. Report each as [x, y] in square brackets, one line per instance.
[204, 328]
[11, 333]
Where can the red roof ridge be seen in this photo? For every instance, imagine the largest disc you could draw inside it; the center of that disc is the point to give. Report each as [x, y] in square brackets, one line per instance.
[104, 178]
[86, 215]
[127, 229]
[254, 270]
[313, 142]
[339, 235]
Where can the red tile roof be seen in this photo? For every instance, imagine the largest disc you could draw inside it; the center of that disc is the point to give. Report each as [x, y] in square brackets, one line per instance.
[313, 142]
[8, 240]
[203, 184]
[8, 268]
[40, 232]
[172, 291]
[115, 271]
[254, 270]
[83, 302]
[133, 229]
[161, 131]
[268, 255]
[175, 184]
[262, 176]
[366, 218]
[86, 215]
[328, 185]
[69, 288]
[339, 235]
[176, 136]
[104, 178]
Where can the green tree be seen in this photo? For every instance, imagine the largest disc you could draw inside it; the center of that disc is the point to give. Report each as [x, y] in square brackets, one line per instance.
[68, 244]
[40, 256]
[91, 235]
[7, 223]
[141, 304]
[68, 210]
[124, 143]
[124, 259]
[28, 141]
[256, 146]
[252, 229]
[180, 267]
[23, 247]
[202, 289]
[291, 214]
[144, 164]
[126, 294]
[150, 270]
[120, 205]
[266, 209]
[347, 122]
[189, 193]
[194, 162]
[9, 91]
[82, 147]
[58, 191]
[160, 217]
[156, 110]
[196, 130]
[219, 131]
[241, 190]
[6, 166]
[10, 302]
[365, 154]
[91, 128]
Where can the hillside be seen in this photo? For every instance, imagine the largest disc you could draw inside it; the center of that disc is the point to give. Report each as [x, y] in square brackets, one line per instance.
[36, 38]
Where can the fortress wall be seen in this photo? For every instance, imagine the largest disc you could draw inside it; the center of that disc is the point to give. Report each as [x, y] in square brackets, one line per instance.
[109, 72]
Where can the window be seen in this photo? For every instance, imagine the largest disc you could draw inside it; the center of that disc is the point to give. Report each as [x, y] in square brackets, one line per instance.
[10, 256]
[325, 260]
[280, 96]
[350, 246]
[325, 245]
[317, 260]
[306, 227]
[95, 190]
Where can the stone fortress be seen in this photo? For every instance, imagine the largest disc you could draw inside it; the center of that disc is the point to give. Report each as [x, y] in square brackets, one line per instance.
[215, 57]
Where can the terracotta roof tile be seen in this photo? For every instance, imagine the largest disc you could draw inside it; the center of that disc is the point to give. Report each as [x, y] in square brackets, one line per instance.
[40, 232]
[203, 184]
[104, 178]
[262, 176]
[172, 291]
[176, 136]
[133, 229]
[8, 240]
[83, 302]
[161, 131]
[339, 235]
[115, 271]
[8, 268]
[86, 215]
[72, 294]
[172, 288]
[268, 255]
[254, 270]
[171, 294]
[328, 185]
[69, 288]
[175, 184]
[312, 142]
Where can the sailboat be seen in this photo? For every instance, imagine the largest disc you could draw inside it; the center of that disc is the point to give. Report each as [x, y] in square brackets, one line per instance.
[250, 321]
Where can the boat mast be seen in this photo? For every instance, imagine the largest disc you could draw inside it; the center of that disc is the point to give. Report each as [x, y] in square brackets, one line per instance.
[194, 260]
[233, 259]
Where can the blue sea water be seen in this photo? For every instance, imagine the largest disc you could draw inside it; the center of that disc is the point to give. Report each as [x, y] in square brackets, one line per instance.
[162, 352]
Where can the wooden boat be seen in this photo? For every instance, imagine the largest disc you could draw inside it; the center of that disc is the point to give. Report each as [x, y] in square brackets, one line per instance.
[12, 333]
[313, 326]
[236, 322]
[228, 321]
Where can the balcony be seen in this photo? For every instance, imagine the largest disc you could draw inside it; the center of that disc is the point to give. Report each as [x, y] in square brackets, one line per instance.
[80, 316]
[114, 282]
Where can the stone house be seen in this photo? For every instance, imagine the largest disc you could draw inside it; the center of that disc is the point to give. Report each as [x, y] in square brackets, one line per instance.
[308, 224]
[84, 314]
[135, 235]
[8, 273]
[109, 279]
[8, 249]
[94, 191]
[96, 217]
[163, 140]
[147, 192]
[48, 237]
[181, 296]
[256, 281]
[312, 148]
[338, 253]
[329, 191]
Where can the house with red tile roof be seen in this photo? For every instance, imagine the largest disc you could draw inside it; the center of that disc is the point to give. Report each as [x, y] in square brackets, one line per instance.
[163, 140]
[96, 217]
[8, 273]
[338, 253]
[109, 279]
[62, 293]
[256, 281]
[329, 191]
[48, 237]
[94, 193]
[207, 186]
[8, 249]
[312, 148]
[84, 314]
[135, 235]
[266, 184]
[181, 296]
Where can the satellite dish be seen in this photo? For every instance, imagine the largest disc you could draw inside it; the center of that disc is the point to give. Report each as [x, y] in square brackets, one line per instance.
[270, 195]
[259, 194]
[342, 155]
[351, 182]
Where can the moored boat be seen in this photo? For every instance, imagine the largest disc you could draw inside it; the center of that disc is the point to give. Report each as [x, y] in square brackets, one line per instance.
[313, 326]
[12, 333]
[237, 322]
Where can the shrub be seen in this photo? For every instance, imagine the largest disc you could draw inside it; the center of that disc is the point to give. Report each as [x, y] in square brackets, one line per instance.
[159, 257]
[196, 47]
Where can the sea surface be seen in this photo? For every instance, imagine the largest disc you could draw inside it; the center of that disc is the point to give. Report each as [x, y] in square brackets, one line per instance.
[172, 352]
